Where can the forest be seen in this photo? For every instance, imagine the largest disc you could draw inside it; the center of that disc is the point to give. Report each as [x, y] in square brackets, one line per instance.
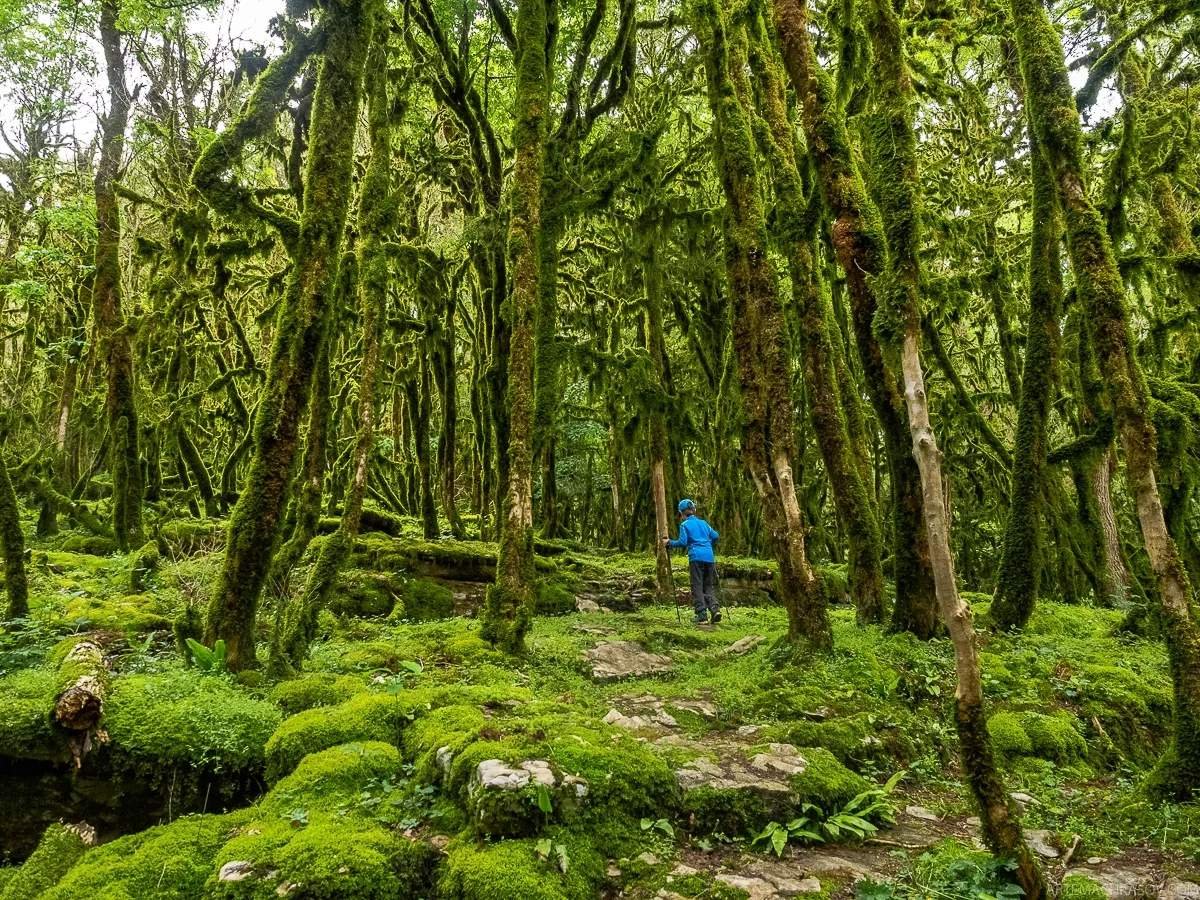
[356, 357]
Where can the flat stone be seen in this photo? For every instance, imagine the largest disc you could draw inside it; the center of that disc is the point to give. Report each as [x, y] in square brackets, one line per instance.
[704, 708]
[1124, 884]
[648, 859]
[781, 758]
[618, 719]
[236, 870]
[756, 888]
[584, 605]
[744, 645]
[920, 812]
[497, 775]
[765, 774]
[1178, 889]
[749, 730]
[975, 821]
[828, 864]
[625, 659]
[1040, 842]
[683, 871]
[1024, 799]
[1095, 860]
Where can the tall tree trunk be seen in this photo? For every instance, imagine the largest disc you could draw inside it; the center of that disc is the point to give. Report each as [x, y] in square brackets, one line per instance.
[1019, 575]
[759, 335]
[376, 215]
[894, 155]
[1101, 294]
[300, 330]
[861, 251]
[120, 402]
[851, 497]
[508, 609]
[657, 413]
[13, 544]
[446, 377]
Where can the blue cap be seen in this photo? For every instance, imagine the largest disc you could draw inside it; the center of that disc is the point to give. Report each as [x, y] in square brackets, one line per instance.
[685, 505]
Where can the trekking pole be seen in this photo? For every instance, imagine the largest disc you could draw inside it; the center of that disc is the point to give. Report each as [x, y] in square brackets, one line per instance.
[671, 577]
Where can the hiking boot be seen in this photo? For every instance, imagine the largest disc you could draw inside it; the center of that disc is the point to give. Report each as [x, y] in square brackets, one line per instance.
[716, 618]
[700, 620]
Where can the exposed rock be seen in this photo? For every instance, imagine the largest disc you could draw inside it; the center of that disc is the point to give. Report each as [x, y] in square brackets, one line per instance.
[1041, 842]
[444, 757]
[744, 645]
[625, 659]
[763, 774]
[236, 870]
[828, 864]
[620, 720]
[755, 888]
[683, 871]
[749, 730]
[496, 775]
[1123, 884]
[768, 883]
[781, 758]
[584, 605]
[648, 859]
[1178, 889]
[920, 812]
[704, 708]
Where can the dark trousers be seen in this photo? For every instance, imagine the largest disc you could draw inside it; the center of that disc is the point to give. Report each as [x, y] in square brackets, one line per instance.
[704, 588]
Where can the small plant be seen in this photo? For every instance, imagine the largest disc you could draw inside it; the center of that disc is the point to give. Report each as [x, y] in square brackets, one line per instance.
[660, 825]
[297, 818]
[545, 848]
[856, 820]
[206, 660]
[542, 798]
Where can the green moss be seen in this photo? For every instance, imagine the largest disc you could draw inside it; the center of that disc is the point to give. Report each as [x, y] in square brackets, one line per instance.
[1080, 887]
[26, 699]
[185, 718]
[58, 850]
[142, 565]
[365, 717]
[134, 612]
[167, 862]
[424, 600]
[313, 690]
[91, 544]
[513, 869]
[1055, 736]
[327, 858]
[185, 537]
[1008, 734]
[552, 598]
[825, 782]
[359, 593]
[330, 778]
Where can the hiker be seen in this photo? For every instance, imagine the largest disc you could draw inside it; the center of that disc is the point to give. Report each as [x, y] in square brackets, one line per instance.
[698, 536]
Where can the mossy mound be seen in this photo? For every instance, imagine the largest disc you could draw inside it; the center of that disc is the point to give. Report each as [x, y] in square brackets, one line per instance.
[1052, 737]
[26, 701]
[58, 850]
[131, 612]
[313, 690]
[91, 544]
[184, 718]
[514, 868]
[553, 599]
[167, 862]
[422, 600]
[1080, 887]
[322, 857]
[365, 717]
[360, 593]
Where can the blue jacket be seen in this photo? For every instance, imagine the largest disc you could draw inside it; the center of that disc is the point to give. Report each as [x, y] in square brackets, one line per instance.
[698, 536]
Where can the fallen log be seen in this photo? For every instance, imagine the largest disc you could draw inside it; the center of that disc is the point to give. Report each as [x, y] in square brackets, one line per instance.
[79, 705]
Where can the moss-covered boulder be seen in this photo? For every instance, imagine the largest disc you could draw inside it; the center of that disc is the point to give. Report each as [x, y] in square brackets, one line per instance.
[571, 870]
[1053, 737]
[60, 848]
[362, 593]
[315, 689]
[423, 600]
[167, 862]
[365, 717]
[26, 700]
[736, 794]
[188, 719]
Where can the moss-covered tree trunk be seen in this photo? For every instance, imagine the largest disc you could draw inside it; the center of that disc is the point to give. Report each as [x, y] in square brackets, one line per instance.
[12, 542]
[445, 368]
[1019, 575]
[376, 214]
[111, 328]
[795, 227]
[894, 154]
[861, 251]
[508, 608]
[656, 347]
[1101, 293]
[759, 334]
[254, 523]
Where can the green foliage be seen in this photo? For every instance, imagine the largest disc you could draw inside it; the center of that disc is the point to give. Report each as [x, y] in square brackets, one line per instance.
[210, 662]
[515, 868]
[189, 719]
[58, 850]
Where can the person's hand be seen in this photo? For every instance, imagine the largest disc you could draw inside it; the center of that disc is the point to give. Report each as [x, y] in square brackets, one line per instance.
[666, 540]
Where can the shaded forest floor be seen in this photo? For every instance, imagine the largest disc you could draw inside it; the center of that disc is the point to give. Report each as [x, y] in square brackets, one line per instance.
[627, 755]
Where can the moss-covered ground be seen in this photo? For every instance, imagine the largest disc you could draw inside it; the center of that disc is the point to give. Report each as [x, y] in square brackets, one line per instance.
[361, 778]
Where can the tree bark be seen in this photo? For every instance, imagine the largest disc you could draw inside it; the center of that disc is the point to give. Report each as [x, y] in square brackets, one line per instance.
[1019, 575]
[16, 585]
[1101, 294]
[254, 523]
[508, 608]
[111, 328]
[759, 335]
[861, 251]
